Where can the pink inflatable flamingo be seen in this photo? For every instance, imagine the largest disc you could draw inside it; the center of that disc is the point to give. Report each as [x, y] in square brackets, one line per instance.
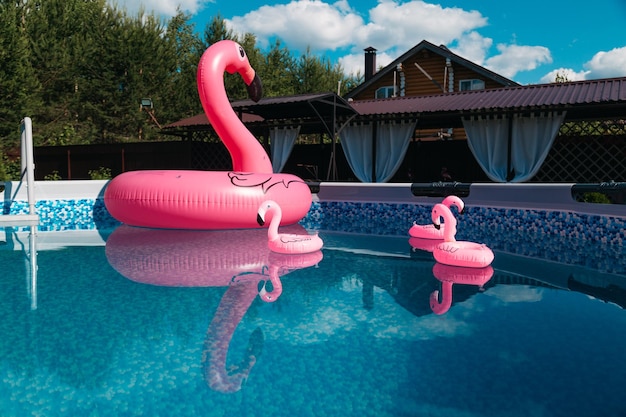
[185, 199]
[429, 231]
[236, 259]
[450, 275]
[285, 242]
[457, 253]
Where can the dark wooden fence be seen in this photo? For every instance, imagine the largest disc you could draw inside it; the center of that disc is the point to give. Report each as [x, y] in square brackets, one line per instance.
[570, 160]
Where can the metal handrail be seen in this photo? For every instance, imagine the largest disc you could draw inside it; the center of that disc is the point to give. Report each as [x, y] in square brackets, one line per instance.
[28, 171]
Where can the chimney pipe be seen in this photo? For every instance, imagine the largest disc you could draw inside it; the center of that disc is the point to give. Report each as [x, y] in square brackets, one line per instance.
[370, 62]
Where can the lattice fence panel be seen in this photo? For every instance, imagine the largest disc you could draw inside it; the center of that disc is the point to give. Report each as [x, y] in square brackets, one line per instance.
[585, 159]
[208, 153]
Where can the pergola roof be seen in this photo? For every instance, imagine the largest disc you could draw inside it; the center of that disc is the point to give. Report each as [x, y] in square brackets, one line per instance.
[313, 112]
[583, 100]
[316, 113]
[296, 107]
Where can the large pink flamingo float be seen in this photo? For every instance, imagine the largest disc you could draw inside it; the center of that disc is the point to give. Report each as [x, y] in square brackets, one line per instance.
[237, 259]
[186, 199]
[450, 275]
[457, 253]
[429, 231]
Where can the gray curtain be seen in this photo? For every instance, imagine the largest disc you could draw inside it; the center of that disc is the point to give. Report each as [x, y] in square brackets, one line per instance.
[392, 141]
[531, 139]
[281, 145]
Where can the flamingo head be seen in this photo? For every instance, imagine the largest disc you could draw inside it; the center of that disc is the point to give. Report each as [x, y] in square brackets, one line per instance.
[455, 201]
[440, 211]
[266, 207]
[235, 60]
[437, 214]
[271, 290]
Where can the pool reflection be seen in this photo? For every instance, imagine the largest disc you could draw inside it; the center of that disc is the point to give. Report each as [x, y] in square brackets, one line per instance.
[441, 301]
[237, 259]
[27, 244]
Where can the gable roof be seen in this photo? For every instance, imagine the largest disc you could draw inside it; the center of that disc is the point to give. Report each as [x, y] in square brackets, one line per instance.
[439, 50]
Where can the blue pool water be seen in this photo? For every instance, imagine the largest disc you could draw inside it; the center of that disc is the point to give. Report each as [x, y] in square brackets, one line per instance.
[172, 324]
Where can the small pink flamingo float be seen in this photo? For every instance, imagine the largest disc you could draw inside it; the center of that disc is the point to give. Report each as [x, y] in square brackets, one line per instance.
[457, 253]
[285, 242]
[450, 275]
[237, 259]
[429, 231]
[203, 200]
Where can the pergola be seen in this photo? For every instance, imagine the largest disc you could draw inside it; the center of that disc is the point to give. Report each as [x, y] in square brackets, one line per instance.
[328, 113]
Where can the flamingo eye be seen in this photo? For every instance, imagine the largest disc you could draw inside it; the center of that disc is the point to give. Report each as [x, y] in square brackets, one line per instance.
[242, 53]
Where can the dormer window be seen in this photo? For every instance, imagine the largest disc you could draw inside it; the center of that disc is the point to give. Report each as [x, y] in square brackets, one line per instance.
[385, 92]
[468, 85]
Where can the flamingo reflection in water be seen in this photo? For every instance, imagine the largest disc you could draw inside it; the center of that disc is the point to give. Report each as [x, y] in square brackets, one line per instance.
[237, 259]
[450, 275]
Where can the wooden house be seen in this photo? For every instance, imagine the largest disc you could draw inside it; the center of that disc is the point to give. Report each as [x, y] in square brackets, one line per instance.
[425, 70]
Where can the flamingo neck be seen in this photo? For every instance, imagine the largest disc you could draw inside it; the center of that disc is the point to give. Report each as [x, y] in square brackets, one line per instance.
[271, 296]
[449, 229]
[246, 152]
[272, 231]
[440, 307]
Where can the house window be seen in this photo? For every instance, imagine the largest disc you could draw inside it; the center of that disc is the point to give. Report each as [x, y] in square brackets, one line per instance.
[385, 92]
[467, 85]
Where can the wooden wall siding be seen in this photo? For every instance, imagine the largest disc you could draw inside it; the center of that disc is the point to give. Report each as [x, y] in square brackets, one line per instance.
[417, 84]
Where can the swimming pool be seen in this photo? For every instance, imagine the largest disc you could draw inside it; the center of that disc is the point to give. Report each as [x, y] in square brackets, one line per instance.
[123, 322]
[134, 327]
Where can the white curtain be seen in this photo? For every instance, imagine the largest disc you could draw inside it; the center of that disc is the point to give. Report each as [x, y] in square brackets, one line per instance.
[531, 140]
[391, 145]
[487, 138]
[281, 144]
[356, 141]
[392, 141]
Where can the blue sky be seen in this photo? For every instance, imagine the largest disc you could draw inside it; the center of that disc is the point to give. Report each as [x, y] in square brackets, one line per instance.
[528, 42]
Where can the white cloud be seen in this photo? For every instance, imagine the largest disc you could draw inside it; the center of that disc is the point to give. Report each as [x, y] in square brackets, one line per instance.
[515, 58]
[607, 64]
[473, 47]
[602, 65]
[354, 63]
[403, 25]
[392, 27]
[568, 73]
[306, 23]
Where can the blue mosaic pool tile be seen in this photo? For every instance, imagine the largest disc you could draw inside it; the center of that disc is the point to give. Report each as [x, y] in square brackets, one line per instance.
[523, 232]
[59, 215]
[516, 231]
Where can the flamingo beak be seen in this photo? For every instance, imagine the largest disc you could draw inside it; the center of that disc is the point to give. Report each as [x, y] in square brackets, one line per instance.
[255, 89]
[260, 220]
[437, 226]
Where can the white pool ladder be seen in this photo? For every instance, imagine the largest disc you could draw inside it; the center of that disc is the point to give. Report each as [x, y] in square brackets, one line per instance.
[28, 171]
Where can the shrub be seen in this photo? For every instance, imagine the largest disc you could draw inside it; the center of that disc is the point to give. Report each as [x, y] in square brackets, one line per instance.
[101, 173]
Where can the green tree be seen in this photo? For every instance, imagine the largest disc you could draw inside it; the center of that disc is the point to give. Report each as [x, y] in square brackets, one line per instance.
[19, 88]
[278, 71]
[180, 93]
[80, 69]
[561, 77]
[314, 74]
